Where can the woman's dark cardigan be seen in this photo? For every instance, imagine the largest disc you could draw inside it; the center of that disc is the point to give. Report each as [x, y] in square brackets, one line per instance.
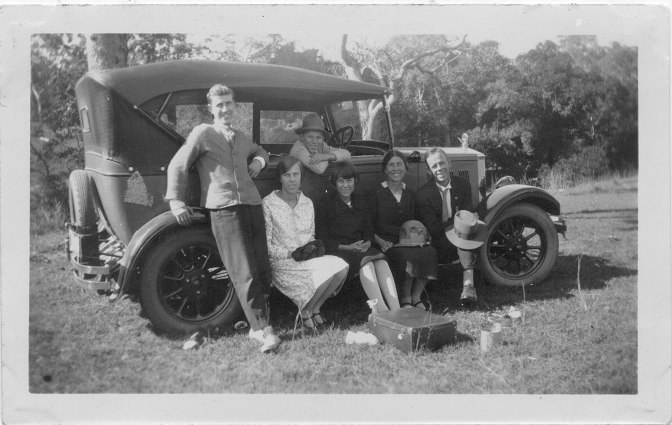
[337, 224]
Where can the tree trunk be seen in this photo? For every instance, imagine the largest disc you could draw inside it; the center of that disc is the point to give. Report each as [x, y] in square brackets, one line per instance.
[353, 71]
[106, 51]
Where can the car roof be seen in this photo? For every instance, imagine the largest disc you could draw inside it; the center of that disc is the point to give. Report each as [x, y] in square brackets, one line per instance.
[141, 83]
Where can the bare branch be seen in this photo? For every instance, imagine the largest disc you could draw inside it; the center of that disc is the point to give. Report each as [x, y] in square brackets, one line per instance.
[352, 66]
[389, 56]
[414, 62]
[38, 100]
[345, 54]
[41, 158]
[374, 71]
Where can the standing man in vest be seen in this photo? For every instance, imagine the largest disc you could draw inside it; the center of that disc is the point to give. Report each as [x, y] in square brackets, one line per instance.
[443, 204]
[221, 155]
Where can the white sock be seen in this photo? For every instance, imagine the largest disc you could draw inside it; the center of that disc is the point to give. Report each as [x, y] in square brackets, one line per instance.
[468, 277]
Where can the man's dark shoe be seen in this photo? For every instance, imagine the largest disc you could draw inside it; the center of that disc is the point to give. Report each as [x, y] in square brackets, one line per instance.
[468, 297]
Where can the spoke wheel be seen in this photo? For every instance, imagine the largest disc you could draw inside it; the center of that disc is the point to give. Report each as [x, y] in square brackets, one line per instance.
[185, 286]
[521, 247]
[342, 138]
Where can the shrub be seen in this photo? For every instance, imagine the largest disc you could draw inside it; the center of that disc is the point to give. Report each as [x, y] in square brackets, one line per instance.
[589, 164]
[47, 217]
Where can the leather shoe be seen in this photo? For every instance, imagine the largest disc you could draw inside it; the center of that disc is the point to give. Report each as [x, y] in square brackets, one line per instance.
[468, 297]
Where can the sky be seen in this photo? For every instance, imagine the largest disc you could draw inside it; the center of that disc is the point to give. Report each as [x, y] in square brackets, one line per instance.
[517, 28]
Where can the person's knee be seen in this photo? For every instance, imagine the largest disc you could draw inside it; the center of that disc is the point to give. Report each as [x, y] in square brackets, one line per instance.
[344, 271]
[468, 259]
[367, 271]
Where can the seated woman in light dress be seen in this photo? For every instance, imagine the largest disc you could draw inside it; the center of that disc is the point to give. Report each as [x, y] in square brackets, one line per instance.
[290, 224]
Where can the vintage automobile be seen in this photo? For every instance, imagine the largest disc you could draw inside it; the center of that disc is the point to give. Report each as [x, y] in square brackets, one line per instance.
[122, 237]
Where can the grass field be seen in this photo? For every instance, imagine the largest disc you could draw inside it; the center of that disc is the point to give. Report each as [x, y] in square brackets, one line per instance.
[569, 341]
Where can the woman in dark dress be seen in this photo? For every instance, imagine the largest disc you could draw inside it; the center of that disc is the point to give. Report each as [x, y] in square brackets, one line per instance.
[391, 205]
[344, 225]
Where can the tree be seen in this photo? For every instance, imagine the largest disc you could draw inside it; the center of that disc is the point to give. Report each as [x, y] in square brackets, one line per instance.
[106, 51]
[619, 68]
[148, 48]
[531, 102]
[282, 52]
[409, 66]
[58, 61]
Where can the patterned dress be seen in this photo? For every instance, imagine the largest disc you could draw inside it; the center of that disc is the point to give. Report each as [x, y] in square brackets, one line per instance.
[287, 229]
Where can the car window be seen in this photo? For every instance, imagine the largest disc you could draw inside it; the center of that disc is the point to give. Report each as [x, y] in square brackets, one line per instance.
[347, 114]
[183, 118]
[277, 127]
[186, 109]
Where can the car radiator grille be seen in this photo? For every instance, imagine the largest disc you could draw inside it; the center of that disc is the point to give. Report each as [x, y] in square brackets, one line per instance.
[461, 173]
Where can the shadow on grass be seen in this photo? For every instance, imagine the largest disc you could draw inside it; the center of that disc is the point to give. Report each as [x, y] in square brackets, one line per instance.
[444, 294]
[619, 210]
[349, 307]
[600, 190]
[348, 310]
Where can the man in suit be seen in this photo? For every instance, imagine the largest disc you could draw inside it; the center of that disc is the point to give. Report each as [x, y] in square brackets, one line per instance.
[437, 203]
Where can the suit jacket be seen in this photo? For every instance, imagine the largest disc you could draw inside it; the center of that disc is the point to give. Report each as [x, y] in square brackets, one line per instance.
[428, 209]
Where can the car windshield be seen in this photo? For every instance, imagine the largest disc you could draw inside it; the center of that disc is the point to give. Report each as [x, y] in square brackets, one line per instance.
[278, 126]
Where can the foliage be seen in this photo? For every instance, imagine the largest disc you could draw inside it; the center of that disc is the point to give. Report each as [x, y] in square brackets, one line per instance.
[413, 67]
[148, 48]
[58, 61]
[590, 163]
[557, 103]
[547, 105]
[278, 51]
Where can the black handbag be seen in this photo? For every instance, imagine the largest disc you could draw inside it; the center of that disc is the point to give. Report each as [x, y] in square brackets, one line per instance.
[312, 249]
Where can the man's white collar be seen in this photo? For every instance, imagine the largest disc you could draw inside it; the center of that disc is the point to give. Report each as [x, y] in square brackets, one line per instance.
[442, 188]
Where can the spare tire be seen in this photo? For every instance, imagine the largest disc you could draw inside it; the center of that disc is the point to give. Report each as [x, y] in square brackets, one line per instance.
[82, 208]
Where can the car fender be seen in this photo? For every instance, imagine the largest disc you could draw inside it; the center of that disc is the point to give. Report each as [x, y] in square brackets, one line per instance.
[146, 236]
[507, 195]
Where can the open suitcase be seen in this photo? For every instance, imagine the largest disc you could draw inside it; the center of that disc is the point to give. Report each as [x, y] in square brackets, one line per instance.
[409, 329]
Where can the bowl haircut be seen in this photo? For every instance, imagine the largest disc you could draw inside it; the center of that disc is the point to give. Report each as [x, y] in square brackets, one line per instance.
[286, 163]
[345, 170]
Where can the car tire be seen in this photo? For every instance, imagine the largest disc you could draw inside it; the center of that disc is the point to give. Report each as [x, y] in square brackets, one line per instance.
[82, 209]
[185, 287]
[520, 248]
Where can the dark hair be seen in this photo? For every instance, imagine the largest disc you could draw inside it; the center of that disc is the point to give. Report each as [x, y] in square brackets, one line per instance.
[346, 170]
[288, 162]
[391, 154]
[219, 90]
